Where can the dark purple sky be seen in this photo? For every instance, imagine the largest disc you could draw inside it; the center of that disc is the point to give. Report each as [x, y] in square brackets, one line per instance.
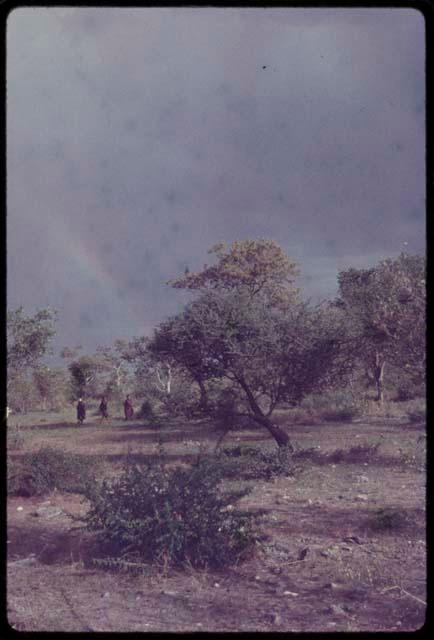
[138, 138]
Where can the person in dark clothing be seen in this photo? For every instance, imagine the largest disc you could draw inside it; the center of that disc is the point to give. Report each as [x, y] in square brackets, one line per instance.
[128, 409]
[103, 409]
[81, 411]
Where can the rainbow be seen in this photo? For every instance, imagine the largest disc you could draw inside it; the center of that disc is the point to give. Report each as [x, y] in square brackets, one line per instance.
[92, 267]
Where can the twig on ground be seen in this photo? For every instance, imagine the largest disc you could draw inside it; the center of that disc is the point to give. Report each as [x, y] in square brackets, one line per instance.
[410, 595]
[76, 615]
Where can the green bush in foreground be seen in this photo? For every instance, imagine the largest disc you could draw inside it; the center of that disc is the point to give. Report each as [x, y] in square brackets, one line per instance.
[41, 471]
[172, 516]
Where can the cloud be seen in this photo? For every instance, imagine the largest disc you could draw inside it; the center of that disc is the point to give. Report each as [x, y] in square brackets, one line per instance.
[137, 138]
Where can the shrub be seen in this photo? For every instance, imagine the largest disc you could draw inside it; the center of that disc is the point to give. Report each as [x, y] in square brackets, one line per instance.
[388, 519]
[39, 472]
[171, 516]
[246, 462]
[146, 410]
[333, 405]
[299, 415]
[409, 391]
[416, 410]
[417, 416]
[182, 400]
[353, 455]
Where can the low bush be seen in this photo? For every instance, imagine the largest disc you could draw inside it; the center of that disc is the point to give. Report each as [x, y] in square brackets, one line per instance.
[417, 416]
[298, 415]
[40, 472]
[146, 410]
[333, 406]
[388, 519]
[353, 455]
[169, 516]
[247, 463]
[416, 410]
[409, 391]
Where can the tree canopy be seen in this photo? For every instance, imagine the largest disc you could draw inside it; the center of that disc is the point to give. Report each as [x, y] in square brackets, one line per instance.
[387, 305]
[249, 329]
[28, 338]
[256, 266]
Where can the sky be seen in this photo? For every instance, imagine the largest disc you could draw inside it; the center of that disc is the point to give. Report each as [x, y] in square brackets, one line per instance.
[139, 138]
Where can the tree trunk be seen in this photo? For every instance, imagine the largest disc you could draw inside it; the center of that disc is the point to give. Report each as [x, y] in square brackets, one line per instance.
[379, 378]
[280, 436]
[203, 403]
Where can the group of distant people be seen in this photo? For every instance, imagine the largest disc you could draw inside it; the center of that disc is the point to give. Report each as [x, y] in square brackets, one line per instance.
[103, 409]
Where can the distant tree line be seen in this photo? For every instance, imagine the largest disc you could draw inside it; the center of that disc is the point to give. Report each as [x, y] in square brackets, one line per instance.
[246, 344]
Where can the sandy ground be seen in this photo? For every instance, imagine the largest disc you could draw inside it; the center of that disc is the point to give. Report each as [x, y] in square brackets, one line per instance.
[352, 578]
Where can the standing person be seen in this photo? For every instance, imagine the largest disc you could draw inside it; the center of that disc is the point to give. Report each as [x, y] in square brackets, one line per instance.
[81, 411]
[128, 409]
[103, 409]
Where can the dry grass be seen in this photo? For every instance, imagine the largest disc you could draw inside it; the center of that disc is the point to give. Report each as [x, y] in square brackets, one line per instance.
[376, 579]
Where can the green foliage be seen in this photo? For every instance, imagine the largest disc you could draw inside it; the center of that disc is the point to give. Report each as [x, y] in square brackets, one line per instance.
[339, 406]
[39, 472]
[254, 265]
[182, 400]
[146, 410]
[85, 377]
[52, 386]
[386, 305]
[159, 515]
[247, 463]
[388, 519]
[264, 351]
[22, 393]
[28, 338]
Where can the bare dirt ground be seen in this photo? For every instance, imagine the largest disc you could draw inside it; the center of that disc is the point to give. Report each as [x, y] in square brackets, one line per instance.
[351, 577]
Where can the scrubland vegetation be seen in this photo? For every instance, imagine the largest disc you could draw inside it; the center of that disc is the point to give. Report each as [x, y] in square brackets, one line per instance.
[272, 477]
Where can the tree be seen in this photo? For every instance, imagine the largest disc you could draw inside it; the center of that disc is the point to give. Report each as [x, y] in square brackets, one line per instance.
[387, 306]
[115, 366]
[177, 341]
[248, 329]
[104, 372]
[87, 377]
[28, 339]
[51, 385]
[22, 394]
[253, 267]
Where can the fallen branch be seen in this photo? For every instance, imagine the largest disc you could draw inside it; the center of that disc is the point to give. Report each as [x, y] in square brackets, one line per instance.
[410, 595]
